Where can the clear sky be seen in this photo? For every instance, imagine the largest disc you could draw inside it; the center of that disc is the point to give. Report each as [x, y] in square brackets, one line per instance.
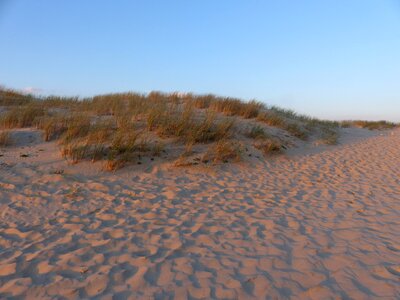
[335, 59]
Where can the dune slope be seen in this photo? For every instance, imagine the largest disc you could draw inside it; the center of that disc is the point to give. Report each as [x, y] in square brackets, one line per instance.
[315, 226]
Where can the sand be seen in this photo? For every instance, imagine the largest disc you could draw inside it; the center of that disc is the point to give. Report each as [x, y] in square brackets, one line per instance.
[308, 225]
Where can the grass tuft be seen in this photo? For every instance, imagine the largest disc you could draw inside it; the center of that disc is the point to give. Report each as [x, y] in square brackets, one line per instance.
[256, 132]
[21, 116]
[223, 151]
[268, 146]
[5, 139]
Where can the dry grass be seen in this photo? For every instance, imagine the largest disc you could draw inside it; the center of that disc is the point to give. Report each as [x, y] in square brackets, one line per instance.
[5, 138]
[296, 130]
[181, 122]
[201, 102]
[236, 107]
[268, 146]
[66, 126]
[271, 119]
[118, 129]
[9, 97]
[223, 151]
[256, 132]
[21, 116]
[227, 106]
[329, 136]
[371, 125]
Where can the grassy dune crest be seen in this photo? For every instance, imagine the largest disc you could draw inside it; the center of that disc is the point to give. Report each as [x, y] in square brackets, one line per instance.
[121, 128]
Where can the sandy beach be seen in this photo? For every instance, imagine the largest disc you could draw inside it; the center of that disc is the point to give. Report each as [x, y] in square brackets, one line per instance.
[323, 225]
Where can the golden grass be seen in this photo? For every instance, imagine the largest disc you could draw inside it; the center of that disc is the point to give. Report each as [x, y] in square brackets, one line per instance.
[120, 128]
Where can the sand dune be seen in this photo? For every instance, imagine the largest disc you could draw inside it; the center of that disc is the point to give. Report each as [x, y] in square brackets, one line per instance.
[323, 225]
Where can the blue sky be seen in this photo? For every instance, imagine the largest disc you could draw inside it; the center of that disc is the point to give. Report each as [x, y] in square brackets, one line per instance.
[333, 59]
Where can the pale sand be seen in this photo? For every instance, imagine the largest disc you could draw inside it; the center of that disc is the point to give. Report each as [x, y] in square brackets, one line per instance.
[318, 226]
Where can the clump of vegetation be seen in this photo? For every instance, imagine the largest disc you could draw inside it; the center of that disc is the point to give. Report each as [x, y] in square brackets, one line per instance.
[271, 119]
[5, 138]
[268, 146]
[296, 131]
[330, 136]
[182, 123]
[9, 97]
[184, 159]
[275, 119]
[236, 107]
[21, 116]
[121, 128]
[256, 132]
[202, 101]
[66, 126]
[223, 151]
[371, 125]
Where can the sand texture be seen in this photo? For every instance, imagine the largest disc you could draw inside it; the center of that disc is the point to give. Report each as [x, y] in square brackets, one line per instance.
[322, 225]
